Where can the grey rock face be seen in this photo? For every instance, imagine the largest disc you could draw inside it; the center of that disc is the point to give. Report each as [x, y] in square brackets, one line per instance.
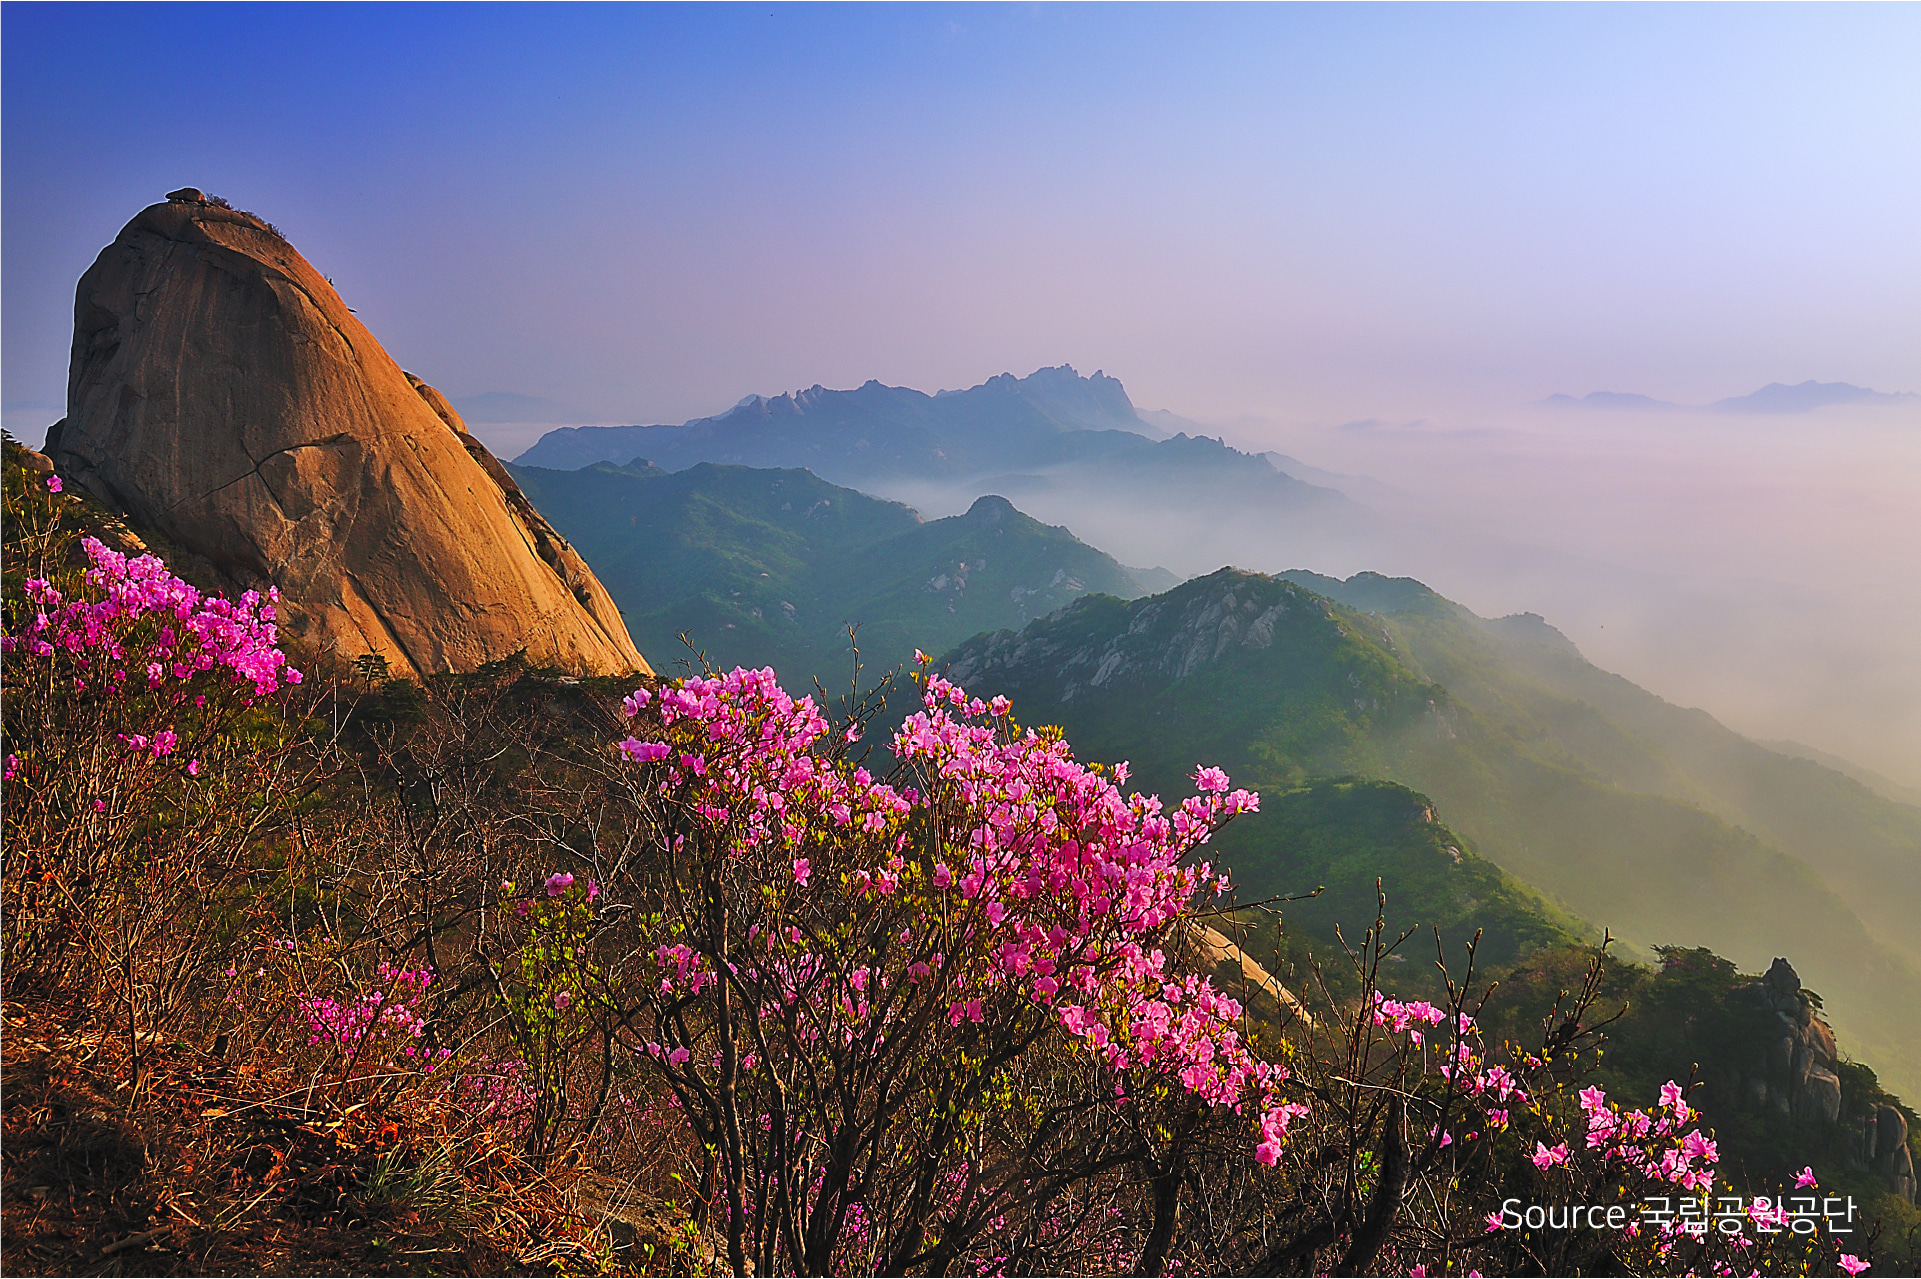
[1796, 1077]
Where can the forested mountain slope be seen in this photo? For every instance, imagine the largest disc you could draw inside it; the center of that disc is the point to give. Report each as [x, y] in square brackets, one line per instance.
[1283, 686]
[1521, 674]
[770, 567]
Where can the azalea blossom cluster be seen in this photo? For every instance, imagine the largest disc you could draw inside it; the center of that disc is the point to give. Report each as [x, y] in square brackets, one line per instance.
[1631, 1138]
[1074, 882]
[192, 633]
[743, 756]
[1646, 1142]
[1402, 1018]
[1034, 883]
[1493, 1087]
[387, 1013]
[495, 1092]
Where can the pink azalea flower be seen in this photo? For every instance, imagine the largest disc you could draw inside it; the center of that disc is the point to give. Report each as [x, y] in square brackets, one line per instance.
[1544, 1158]
[53, 484]
[1853, 1264]
[1211, 780]
[559, 883]
[1493, 1222]
[1805, 1179]
[643, 752]
[802, 869]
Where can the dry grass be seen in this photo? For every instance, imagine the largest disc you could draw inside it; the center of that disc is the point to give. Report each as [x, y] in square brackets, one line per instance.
[225, 1167]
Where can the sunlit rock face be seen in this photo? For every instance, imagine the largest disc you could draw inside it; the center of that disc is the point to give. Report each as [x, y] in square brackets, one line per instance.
[1797, 1078]
[222, 394]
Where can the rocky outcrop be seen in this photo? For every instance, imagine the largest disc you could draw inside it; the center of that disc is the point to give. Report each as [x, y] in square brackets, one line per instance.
[1214, 952]
[221, 394]
[1796, 1078]
[1878, 1143]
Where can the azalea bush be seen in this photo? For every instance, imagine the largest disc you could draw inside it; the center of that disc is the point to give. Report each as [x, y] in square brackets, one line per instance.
[154, 740]
[551, 987]
[877, 1002]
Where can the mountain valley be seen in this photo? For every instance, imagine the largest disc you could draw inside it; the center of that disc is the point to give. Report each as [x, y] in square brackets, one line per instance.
[771, 567]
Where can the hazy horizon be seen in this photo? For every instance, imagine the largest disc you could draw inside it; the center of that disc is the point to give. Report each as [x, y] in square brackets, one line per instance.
[1368, 237]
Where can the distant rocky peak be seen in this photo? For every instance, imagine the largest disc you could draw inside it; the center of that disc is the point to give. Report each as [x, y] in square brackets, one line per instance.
[1781, 978]
[1090, 403]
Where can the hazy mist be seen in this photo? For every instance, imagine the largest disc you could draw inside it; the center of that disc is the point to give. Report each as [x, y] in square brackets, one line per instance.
[1761, 567]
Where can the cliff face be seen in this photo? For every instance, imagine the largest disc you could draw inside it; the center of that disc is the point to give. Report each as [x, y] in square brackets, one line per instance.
[221, 393]
[1797, 1078]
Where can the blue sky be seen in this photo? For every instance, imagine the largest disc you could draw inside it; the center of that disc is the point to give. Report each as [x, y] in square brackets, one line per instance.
[1315, 211]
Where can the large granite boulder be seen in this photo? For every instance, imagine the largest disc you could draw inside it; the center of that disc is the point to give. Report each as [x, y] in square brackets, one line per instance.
[221, 394]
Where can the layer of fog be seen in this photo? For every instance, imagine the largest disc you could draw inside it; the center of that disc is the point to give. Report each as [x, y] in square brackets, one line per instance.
[1766, 568]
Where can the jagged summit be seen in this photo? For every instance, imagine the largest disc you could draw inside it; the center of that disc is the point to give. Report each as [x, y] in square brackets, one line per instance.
[1051, 415]
[222, 394]
[1795, 1077]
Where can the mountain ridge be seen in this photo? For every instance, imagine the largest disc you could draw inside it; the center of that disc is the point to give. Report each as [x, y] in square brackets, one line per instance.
[769, 566]
[891, 427]
[1775, 397]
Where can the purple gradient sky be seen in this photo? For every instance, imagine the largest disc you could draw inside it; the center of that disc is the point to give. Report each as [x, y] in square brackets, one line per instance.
[1279, 219]
[1298, 212]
